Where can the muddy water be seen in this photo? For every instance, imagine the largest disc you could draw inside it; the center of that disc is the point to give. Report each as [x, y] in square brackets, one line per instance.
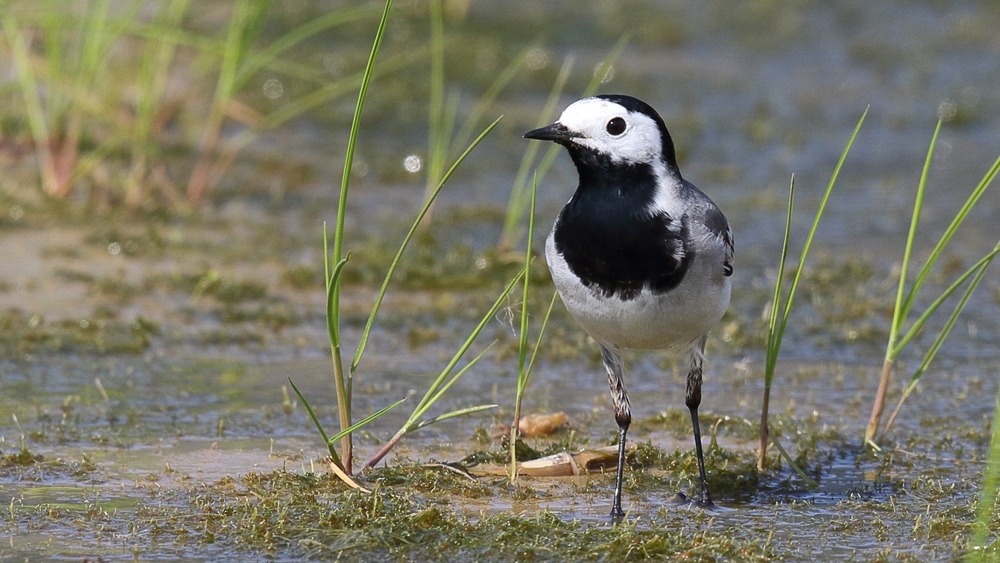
[152, 356]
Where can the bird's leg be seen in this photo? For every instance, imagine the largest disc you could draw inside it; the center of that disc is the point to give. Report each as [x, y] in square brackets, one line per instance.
[623, 416]
[693, 400]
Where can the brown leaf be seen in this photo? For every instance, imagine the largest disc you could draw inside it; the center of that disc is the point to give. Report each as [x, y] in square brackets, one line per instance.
[542, 424]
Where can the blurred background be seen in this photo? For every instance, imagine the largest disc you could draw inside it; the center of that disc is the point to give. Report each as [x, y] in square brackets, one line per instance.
[177, 105]
[167, 166]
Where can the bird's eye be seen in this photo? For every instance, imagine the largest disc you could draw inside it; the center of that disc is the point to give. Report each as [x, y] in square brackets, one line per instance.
[616, 126]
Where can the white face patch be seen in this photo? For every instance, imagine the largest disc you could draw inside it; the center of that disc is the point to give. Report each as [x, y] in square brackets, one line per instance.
[594, 120]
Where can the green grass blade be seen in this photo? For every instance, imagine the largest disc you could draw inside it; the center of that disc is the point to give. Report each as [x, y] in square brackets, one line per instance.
[904, 300]
[323, 95]
[981, 527]
[326, 260]
[773, 343]
[406, 241]
[154, 73]
[338, 237]
[956, 312]
[979, 268]
[776, 327]
[453, 414]
[486, 101]
[522, 348]
[522, 373]
[319, 426]
[949, 233]
[342, 385]
[363, 422]
[516, 201]
[266, 57]
[606, 65]
[432, 394]
[93, 41]
[522, 383]
[332, 312]
[812, 483]
[102, 34]
[440, 391]
[251, 23]
[816, 220]
[173, 35]
[437, 139]
[895, 345]
[232, 48]
[538, 342]
[355, 127]
[54, 38]
[812, 231]
[344, 382]
[33, 104]
[773, 336]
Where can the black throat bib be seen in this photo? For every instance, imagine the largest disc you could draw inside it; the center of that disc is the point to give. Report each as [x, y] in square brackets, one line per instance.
[609, 237]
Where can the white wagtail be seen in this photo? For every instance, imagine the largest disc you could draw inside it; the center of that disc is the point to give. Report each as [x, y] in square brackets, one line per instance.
[640, 256]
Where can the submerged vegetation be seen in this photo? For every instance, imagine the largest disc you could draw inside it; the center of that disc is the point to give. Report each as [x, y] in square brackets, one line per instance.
[433, 511]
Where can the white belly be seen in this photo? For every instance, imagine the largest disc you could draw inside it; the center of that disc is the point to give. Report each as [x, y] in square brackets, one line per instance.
[672, 320]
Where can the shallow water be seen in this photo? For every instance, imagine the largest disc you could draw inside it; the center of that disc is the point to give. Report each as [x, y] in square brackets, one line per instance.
[141, 371]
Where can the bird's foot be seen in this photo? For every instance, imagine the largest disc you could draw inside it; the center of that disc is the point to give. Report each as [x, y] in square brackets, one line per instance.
[680, 499]
[617, 515]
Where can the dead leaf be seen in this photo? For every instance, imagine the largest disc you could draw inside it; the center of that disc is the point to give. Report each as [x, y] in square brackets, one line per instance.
[541, 424]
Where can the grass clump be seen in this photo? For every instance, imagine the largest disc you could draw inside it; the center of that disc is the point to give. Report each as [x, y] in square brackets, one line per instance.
[104, 91]
[899, 334]
[336, 263]
[290, 515]
[778, 319]
[26, 465]
[984, 544]
[23, 333]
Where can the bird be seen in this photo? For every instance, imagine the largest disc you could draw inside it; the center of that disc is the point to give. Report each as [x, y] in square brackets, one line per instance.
[641, 258]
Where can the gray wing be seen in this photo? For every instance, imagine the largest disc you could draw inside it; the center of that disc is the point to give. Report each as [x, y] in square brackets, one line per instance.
[718, 225]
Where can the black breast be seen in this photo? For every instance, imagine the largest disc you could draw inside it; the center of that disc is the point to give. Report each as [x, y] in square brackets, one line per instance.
[611, 240]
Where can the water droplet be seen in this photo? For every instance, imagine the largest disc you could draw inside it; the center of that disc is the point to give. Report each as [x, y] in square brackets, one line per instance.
[412, 164]
[947, 109]
[84, 323]
[16, 212]
[359, 169]
[273, 89]
[537, 58]
[115, 249]
[608, 74]
[333, 64]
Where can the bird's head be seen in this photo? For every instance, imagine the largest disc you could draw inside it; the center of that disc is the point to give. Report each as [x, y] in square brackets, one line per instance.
[617, 129]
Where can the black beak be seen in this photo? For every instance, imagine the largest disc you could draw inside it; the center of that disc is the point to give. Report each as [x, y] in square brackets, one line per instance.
[556, 132]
